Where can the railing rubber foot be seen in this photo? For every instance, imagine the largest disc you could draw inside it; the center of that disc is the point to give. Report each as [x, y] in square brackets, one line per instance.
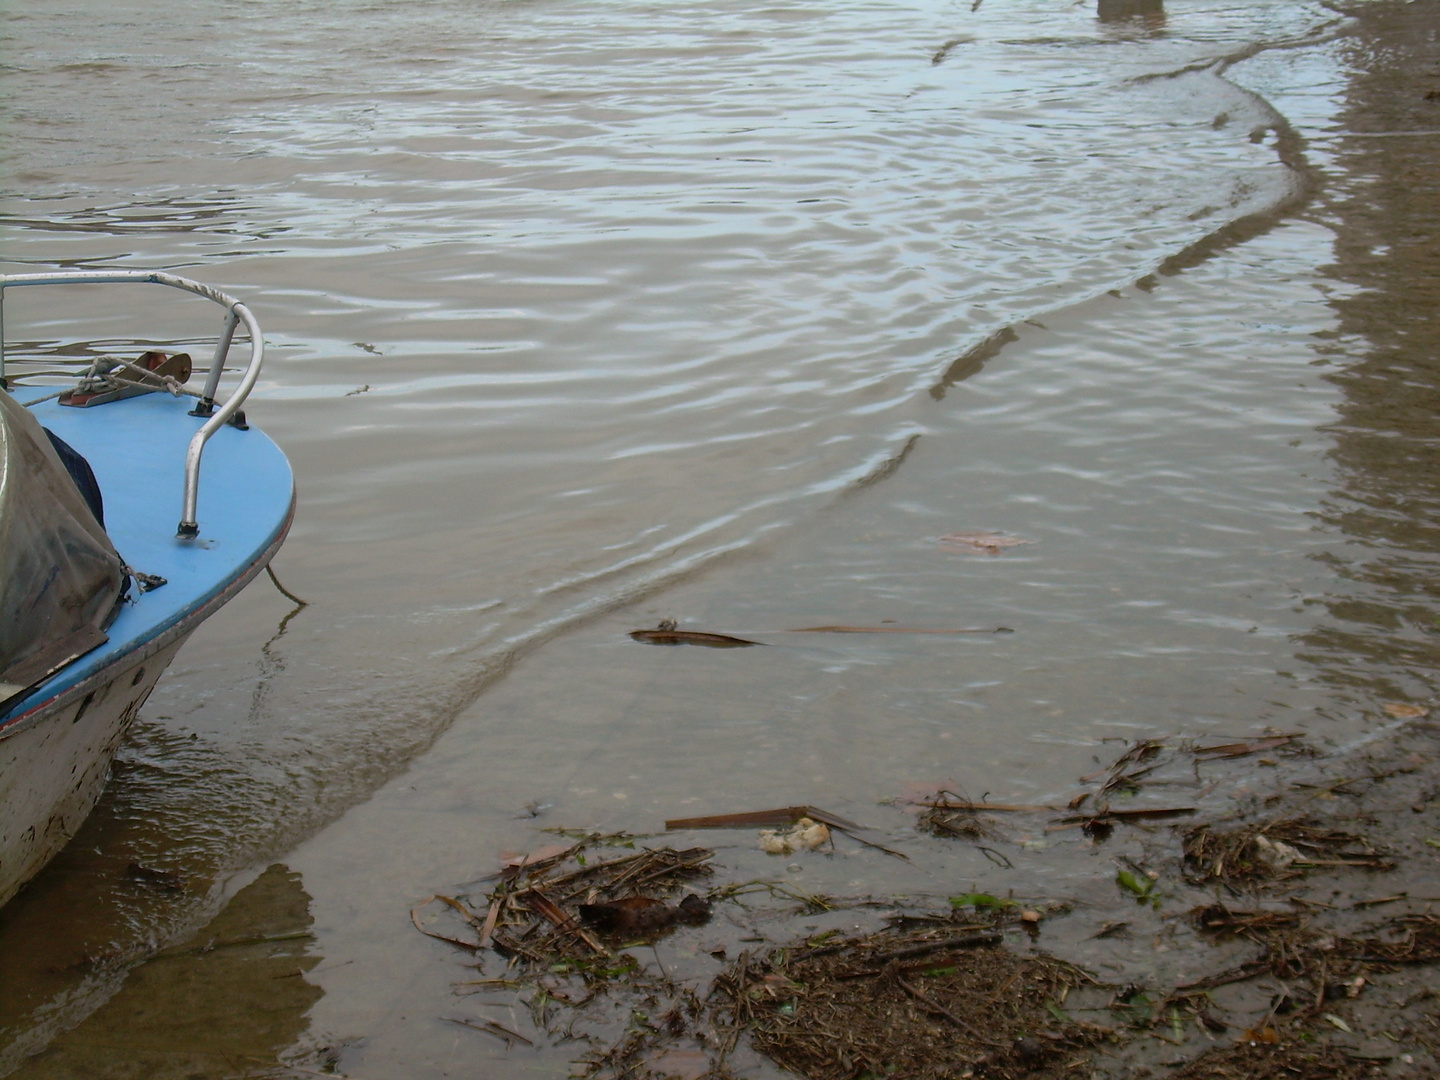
[188, 530]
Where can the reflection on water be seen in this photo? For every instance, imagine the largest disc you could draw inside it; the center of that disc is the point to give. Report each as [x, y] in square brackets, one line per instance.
[1148, 13]
[226, 1004]
[1383, 637]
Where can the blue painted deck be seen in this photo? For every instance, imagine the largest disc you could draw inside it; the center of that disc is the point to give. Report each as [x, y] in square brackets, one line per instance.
[137, 448]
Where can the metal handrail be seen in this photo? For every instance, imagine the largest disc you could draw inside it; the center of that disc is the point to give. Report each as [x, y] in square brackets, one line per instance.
[236, 312]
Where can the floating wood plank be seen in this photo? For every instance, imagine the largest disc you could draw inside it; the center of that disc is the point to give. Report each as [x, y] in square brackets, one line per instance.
[691, 637]
[785, 815]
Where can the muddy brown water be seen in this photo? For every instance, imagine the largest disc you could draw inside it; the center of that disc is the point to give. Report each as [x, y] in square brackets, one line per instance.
[579, 320]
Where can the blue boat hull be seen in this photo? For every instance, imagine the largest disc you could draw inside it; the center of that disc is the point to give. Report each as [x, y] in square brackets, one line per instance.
[57, 742]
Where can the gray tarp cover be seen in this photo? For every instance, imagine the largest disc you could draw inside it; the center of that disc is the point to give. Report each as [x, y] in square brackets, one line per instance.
[58, 569]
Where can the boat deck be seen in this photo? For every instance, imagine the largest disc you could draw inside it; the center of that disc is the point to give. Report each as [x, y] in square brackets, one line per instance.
[136, 447]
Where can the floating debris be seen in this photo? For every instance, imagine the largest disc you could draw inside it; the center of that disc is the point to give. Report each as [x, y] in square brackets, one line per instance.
[1273, 851]
[982, 902]
[1106, 815]
[1139, 886]
[1129, 769]
[668, 633]
[1294, 951]
[980, 543]
[643, 915]
[1219, 920]
[1402, 710]
[536, 915]
[784, 815]
[949, 814]
[1262, 745]
[960, 822]
[926, 1004]
[948, 800]
[491, 1028]
[804, 835]
[1268, 1057]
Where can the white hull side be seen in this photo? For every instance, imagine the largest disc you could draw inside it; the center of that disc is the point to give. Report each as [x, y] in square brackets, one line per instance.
[53, 770]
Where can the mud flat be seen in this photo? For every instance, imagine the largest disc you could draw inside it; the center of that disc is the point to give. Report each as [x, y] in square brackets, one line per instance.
[1295, 934]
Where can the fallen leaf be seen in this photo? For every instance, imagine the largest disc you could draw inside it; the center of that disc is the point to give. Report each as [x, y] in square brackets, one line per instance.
[1337, 1022]
[981, 901]
[1138, 887]
[979, 543]
[1267, 1035]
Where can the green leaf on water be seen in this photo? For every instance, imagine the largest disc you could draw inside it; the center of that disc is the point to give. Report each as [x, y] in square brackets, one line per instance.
[980, 901]
[1134, 884]
[1141, 888]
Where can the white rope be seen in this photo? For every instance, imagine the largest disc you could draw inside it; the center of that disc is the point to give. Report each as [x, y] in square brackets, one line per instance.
[148, 379]
[101, 377]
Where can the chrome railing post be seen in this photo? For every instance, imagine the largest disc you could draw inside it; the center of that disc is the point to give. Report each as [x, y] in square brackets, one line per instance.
[217, 367]
[189, 526]
[3, 384]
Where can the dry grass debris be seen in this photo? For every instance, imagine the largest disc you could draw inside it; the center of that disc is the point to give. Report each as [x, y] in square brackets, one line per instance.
[926, 1004]
[951, 815]
[1273, 851]
[1287, 1060]
[553, 912]
[1317, 966]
